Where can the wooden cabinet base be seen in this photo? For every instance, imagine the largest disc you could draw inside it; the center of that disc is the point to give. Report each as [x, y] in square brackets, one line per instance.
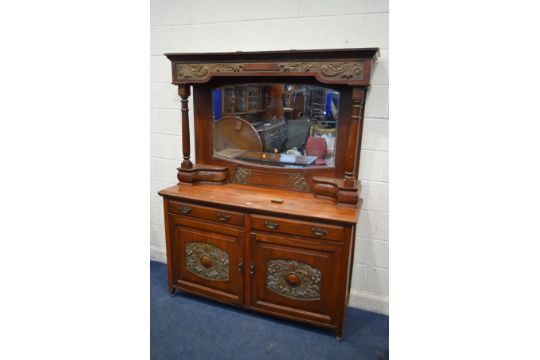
[261, 258]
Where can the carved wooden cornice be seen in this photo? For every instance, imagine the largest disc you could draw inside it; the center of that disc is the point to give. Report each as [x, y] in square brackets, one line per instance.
[336, 66]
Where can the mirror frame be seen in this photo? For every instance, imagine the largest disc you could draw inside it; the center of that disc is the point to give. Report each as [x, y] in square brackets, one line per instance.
[299, 179]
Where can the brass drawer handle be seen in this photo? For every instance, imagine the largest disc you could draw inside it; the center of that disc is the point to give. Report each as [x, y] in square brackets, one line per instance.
[185, 210]
[271, 224]
[318, 231]
[241, 266]
[251, 268]
[223, 217]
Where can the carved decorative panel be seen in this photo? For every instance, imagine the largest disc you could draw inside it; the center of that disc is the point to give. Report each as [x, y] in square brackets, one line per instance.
[298, 182]
[190, 71]
[293, 279]
[242, 175]
[348, 70]
[207, 261]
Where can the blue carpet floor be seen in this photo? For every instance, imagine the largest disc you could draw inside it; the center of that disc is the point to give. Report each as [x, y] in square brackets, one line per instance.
[188, 327]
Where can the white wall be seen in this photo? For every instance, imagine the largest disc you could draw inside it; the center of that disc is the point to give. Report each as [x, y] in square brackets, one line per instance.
[251, 25]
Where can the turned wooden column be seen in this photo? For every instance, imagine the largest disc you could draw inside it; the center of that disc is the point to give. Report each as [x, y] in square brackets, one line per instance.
[183, 91]
[355, 134]
[189, 173]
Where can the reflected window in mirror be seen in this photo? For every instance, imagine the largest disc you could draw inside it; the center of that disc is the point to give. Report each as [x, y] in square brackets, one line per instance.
[288, 125]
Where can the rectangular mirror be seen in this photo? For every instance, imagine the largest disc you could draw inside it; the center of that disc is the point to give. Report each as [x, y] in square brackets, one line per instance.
[287, 125]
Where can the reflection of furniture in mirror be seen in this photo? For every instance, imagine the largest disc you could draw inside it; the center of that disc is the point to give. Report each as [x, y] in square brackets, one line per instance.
[316, 146]
[255, 221]
[276, 159]
[235, 133]
[232, 132]
[297, 133]
[242, 100]
[285, 116]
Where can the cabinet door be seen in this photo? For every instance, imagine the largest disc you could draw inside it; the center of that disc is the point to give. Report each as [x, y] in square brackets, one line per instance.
[295, 278]
[207, 259]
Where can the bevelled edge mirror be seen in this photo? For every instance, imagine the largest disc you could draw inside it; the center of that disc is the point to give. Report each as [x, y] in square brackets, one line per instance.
[287, 125]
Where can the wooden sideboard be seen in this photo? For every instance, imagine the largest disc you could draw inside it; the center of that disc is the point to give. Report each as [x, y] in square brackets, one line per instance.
[276, 238]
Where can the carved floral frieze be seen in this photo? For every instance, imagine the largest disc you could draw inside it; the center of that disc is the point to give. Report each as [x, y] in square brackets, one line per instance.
[352, 70]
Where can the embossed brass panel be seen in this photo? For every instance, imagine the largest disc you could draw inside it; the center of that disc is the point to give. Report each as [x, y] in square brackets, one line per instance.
[293, 279]
[207, 261]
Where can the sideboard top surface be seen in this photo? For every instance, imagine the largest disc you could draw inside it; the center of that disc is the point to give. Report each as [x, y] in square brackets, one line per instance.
[255, 198]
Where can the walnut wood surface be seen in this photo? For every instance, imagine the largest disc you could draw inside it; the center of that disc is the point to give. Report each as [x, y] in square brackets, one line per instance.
[228, 239]
[206, 213]
[276, 240]
[322, 257]
[297, 228]
[252, 198]
[184, 92]
[345, 191]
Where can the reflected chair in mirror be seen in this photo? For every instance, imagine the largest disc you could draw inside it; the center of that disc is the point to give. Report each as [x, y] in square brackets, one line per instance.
[316, 146]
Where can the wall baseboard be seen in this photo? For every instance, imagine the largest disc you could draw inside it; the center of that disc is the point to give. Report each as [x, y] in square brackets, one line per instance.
[358, 299]
[369, 301]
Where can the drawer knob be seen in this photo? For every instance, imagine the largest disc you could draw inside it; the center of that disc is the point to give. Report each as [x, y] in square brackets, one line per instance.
[185, 210]
[318, 231]
[223, 217]
[293, 279]
[271, 224]
[206, 261]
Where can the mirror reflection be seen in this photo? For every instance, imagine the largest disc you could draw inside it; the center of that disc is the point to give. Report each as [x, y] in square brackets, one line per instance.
[288, 125]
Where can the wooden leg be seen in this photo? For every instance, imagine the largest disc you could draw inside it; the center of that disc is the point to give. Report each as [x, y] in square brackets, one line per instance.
[339, 334]
[172, 291]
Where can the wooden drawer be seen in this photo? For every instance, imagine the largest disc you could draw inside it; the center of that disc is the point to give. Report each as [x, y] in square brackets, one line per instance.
[297, 227]
[206, 213]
